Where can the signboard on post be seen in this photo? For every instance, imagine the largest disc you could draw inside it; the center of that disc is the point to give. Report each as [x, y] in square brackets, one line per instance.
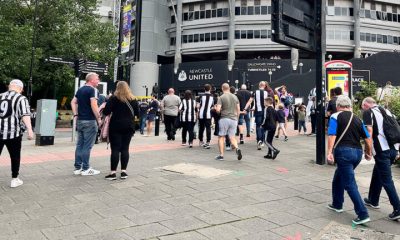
[126, 28]
[338, 74]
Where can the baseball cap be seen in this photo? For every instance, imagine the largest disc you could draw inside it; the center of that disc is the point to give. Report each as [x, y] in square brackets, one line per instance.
[17, 82]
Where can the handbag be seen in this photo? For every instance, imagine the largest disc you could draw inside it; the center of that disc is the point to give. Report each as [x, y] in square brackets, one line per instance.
[344, 132]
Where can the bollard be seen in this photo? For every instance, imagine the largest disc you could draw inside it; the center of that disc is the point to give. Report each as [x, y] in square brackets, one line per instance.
[157, 125]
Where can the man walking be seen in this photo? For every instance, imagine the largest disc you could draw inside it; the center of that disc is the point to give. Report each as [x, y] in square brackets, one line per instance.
[244, 96]
[170, 106]
[13, 108]
[258, 97]
[384, 155]
[206, 102]
[228, 107]
[84, 107]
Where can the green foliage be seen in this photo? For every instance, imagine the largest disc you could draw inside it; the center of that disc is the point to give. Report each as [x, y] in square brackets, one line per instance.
[65, 28]
[368, 89]
[394, 102]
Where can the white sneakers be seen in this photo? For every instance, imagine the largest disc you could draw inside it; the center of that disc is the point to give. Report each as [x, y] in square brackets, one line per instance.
[77, 172]
[90, 172]
[16, 182]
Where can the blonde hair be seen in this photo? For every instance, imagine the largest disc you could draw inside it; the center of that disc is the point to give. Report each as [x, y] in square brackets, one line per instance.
[281, 106]
[123, 92]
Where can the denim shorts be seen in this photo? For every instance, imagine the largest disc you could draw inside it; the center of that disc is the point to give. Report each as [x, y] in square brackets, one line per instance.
[151, 117]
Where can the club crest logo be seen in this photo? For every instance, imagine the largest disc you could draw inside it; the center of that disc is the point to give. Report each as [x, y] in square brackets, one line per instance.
[182, 76]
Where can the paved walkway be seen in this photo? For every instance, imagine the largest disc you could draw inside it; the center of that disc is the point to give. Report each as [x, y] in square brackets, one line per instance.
[260, 199]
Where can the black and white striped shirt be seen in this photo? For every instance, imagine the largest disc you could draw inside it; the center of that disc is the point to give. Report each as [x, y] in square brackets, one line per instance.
[188, 110]
[206, 101]
[259, 96]
[13, 106]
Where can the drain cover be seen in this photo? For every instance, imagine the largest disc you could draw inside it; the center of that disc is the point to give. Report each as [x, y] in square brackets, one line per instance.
[197, 170]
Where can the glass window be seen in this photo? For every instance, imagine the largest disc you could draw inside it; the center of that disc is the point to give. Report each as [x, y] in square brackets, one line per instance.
[362, 13]
[214, 5]
[395, 40]
[237, 34]
[243, 11]
[219, 12]
[257, 34]
[373, 37]
[213, 36]
[225, 12]
[269, 34]
[264, 34]
[362, 36]
[191, 16]
[345, 12]
[331, 3]
[172, 19]
[185, 16]
[196, 38]
[373, 15]
[237, 11]
[394, 17]
[379, 15]
[384, 9]
[250, 10]
[368, 37]
[201, 37]
[196, 15]
[331, 11]
[184, 38]
[379, 38]
[207, 37]
[202, 14]
[330, 34]
[352, 35]
[214, 13]
[367, 13]
[191, 7]
[394, 8]
[202, 6]
[257, 10]
[225, 35]
[398, 17]
[389, 17]
[243, 34]
[190, 38]
[172, 41]
[219, 36]
[269, 10]
[208, 13]
[345, 35]
[243, 3]
[351, 12]
[390, 39]
[384, 16]
[257, 2]
[373, 6]
[264, 10]
[338, 11]
[385, 39]
[250, 34]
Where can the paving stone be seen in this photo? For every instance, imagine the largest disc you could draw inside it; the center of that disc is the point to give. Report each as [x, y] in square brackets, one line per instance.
[235, 191]
[293, 230]
[254, 225]
[306, 188]
[317, 197]
[182, 224]
[217, 217]
[265, 196]
[186, 210]
[111, 235]
[47, 212]
[142, 218]
[20, 207]
[13, 217]
[209, 196]
[35, 224]
[266, 235]
[185, 236]
[67, 231]
[81, 217]
[181, 200]
[29, 235]
[211, 206]
[282, 218]
[117, 211]
[110, 224]
[222, 232]
[147, 231]
[286, 192]
[258, 187]
[246, 211]
[86, 206]
[150, 205]
[89, 197]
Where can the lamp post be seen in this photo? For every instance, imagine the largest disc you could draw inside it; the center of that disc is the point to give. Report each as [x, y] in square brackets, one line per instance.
[237, 84]
[301, 68]
[29, 87]
[330, 57]
[147, 89]
[270, 76]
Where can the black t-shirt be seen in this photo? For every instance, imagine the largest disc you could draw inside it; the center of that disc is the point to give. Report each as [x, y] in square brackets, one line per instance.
[143, 106]
[371, 118]
[153, 107]
[243, 96]
[122, 118]
[270, 118]
[281, 116]
[357, 130]
[332, 106]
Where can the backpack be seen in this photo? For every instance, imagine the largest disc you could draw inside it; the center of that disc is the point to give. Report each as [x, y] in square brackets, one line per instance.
[391, 128]
[288, 101]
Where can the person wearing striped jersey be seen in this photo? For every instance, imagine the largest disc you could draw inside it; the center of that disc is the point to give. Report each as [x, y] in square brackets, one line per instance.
[188, 117]
[14, 107]
[205, 104]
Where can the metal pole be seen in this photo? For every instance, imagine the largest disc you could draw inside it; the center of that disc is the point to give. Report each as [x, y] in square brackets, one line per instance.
[30, 82]
[357, 26]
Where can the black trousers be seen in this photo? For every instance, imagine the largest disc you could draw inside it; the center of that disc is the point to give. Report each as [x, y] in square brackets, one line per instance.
[169, 122]
[313, 122]
[14, 149]
[269, 137]
[205, 124]
[119, 142]
[188, 127]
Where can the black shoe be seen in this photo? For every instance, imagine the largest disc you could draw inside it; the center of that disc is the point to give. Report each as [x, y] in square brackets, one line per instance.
[286, 139]
[275, 153]
[111, 177]
[248, 135]
[206, 146]
[173, 138]
[239, 154]
[358, 221]
[219, 158]
[268, 156]
[241, 141]
[331, 207]
[124, 175]
[368, 203]
[395, 215]
[277, 137]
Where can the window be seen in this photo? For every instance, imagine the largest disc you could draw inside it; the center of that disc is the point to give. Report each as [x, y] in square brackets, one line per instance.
[250, 10]
[373, 6]
[196, 15]
[202, 6]
[384, 9]
[191, 7]
[338, 34]
[368, 37]
[384, 16]
[237, 34]
[373, 37]
[331, 3]
[196, 38]
[243, 11]
[237, 11]
[395, 40]
[352, 35]
[172, 19]
[351, 12]
[330, 34]
[385, 39]
[214, 5]
[219, 36]
[184, 39]
[185, 16]
[379, 38]
[269, 10]
[202, 14]
[264, 10]
[250, 34]
[225, 35]
[190, 38]
[213, 36]
[243, 34]
[257, 2]
[219, 12]
[394, 9]
[394, 17]
[172, 41]
[208, 13]
[207, 37]
[191, 16]
[345, 12]
[389, 17]
[367, 13]
[362, 36]
[338, 11]
[201, 37]
[243, 3]
[362, 13]
[379, 15]
[257, 10]
[256, 33]
[225, 12]
[373, 15]
[264, 34]
[269, 34]
[214, 13]
[390, 39]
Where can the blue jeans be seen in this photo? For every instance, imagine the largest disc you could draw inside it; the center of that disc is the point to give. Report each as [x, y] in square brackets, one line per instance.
[347, 160]
[382, 177]
[142, 122]
[87, 130]
[259, 118]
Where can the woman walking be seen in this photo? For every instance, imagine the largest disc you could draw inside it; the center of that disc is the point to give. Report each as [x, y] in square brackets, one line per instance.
[344, 147]
[188, 117]
[123, 107]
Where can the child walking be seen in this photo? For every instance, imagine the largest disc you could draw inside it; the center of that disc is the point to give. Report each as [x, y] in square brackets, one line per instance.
[269, 126]
[281, 121]
[301, 113]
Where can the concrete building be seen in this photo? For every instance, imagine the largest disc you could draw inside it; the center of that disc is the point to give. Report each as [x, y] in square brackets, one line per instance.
[240, 30]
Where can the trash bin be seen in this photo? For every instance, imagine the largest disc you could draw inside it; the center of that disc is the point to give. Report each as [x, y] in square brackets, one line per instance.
[45, 122]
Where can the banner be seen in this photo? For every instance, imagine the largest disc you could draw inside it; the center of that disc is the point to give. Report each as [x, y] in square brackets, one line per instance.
[126, 28]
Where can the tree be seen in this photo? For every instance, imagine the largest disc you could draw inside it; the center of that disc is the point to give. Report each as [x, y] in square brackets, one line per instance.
[64, 28]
